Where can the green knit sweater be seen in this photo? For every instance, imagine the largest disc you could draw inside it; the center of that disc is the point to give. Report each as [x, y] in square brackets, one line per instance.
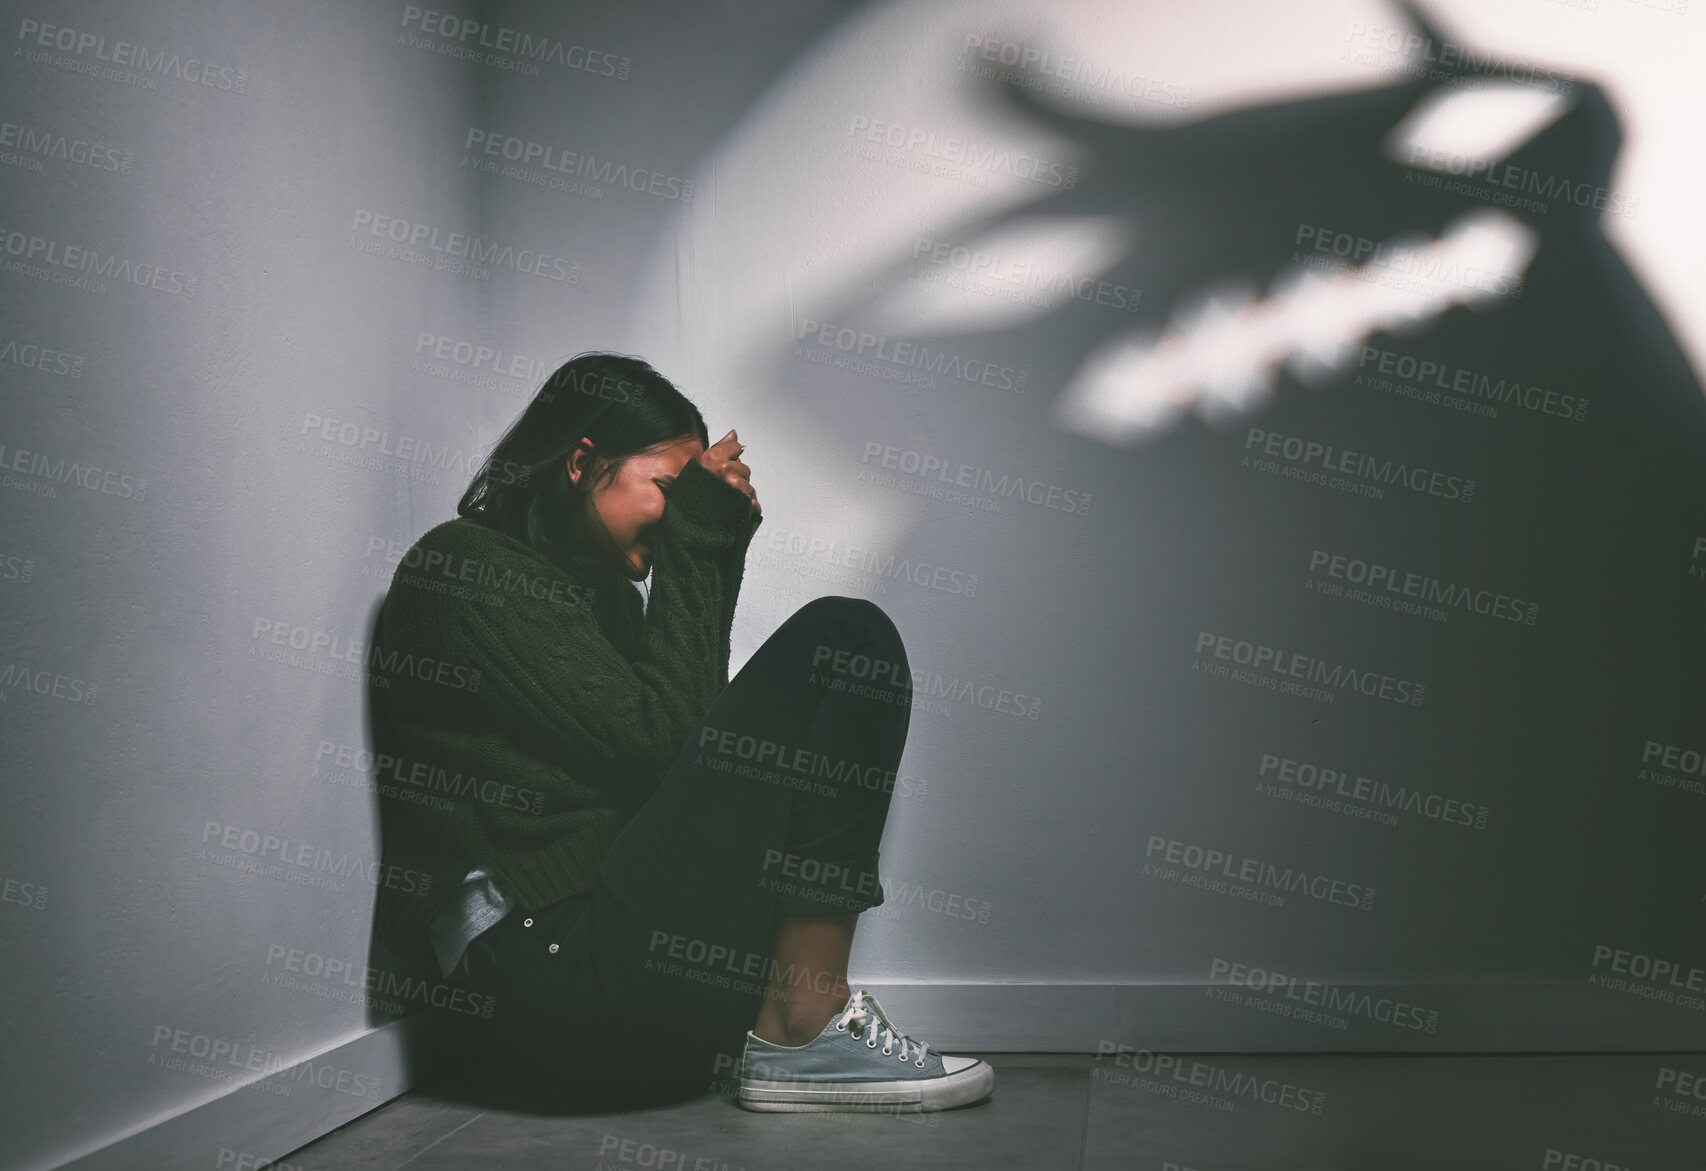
[514, 727]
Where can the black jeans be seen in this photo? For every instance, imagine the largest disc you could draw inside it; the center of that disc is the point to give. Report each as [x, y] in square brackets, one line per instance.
[776, 804]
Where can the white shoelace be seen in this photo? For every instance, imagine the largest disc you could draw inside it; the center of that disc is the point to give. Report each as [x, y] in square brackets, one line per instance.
[864, 1008]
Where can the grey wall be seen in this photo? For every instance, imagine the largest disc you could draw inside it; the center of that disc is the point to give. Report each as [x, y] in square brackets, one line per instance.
[189, 816]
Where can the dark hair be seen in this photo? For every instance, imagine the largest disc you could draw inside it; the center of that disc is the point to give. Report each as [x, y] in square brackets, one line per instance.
[523, 488]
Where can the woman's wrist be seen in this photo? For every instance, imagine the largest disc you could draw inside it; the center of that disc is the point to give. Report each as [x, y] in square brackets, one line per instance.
[706, 509]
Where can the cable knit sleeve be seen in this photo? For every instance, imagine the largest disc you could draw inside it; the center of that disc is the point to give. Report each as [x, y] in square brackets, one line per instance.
[551, 670]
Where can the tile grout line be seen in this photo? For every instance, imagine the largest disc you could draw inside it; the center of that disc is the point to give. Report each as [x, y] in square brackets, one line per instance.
[438, 1140]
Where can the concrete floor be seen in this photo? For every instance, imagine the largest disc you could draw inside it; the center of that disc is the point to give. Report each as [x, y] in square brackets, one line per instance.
[1060, 1111]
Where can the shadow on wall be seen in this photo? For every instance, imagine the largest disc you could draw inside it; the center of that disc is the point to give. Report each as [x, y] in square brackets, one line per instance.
[1260, 198]
[1279, 253]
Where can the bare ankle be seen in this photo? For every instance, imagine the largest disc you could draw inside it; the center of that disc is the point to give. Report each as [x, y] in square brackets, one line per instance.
[794, 1026]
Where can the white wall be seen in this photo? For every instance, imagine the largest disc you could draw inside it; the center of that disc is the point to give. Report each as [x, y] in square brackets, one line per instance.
[1032, 835]
[150, 596]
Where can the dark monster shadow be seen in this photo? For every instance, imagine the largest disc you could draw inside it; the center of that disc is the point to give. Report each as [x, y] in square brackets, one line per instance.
[1598, 512]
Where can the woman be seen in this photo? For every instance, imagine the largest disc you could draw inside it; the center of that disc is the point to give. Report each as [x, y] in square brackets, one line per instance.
[635, 860]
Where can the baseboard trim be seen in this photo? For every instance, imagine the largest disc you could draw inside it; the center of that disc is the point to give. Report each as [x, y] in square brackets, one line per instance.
[259, 1124]
[1219, 1018]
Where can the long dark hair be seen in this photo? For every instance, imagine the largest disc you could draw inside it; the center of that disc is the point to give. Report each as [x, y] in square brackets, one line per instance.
[523, 489]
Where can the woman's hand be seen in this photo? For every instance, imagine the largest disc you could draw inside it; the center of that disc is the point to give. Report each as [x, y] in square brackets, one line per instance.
[722, 460]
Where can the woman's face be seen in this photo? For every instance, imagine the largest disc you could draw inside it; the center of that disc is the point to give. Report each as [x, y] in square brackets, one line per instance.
[631, 503]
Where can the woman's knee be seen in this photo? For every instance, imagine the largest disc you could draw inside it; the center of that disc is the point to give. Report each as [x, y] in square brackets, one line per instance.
[843, 622]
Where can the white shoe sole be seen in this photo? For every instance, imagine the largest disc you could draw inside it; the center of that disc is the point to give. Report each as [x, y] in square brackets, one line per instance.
[906, 1096]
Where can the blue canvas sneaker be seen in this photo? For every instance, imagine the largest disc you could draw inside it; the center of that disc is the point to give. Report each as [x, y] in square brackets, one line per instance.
[860, 1061]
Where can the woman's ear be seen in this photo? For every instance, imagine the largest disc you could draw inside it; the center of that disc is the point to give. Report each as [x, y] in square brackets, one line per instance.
[580, 459]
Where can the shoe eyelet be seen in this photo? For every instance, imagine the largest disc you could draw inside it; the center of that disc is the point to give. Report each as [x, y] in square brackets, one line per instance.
[871, 1044]
[890, 1053]
[841, 1028]
[919, 1063]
